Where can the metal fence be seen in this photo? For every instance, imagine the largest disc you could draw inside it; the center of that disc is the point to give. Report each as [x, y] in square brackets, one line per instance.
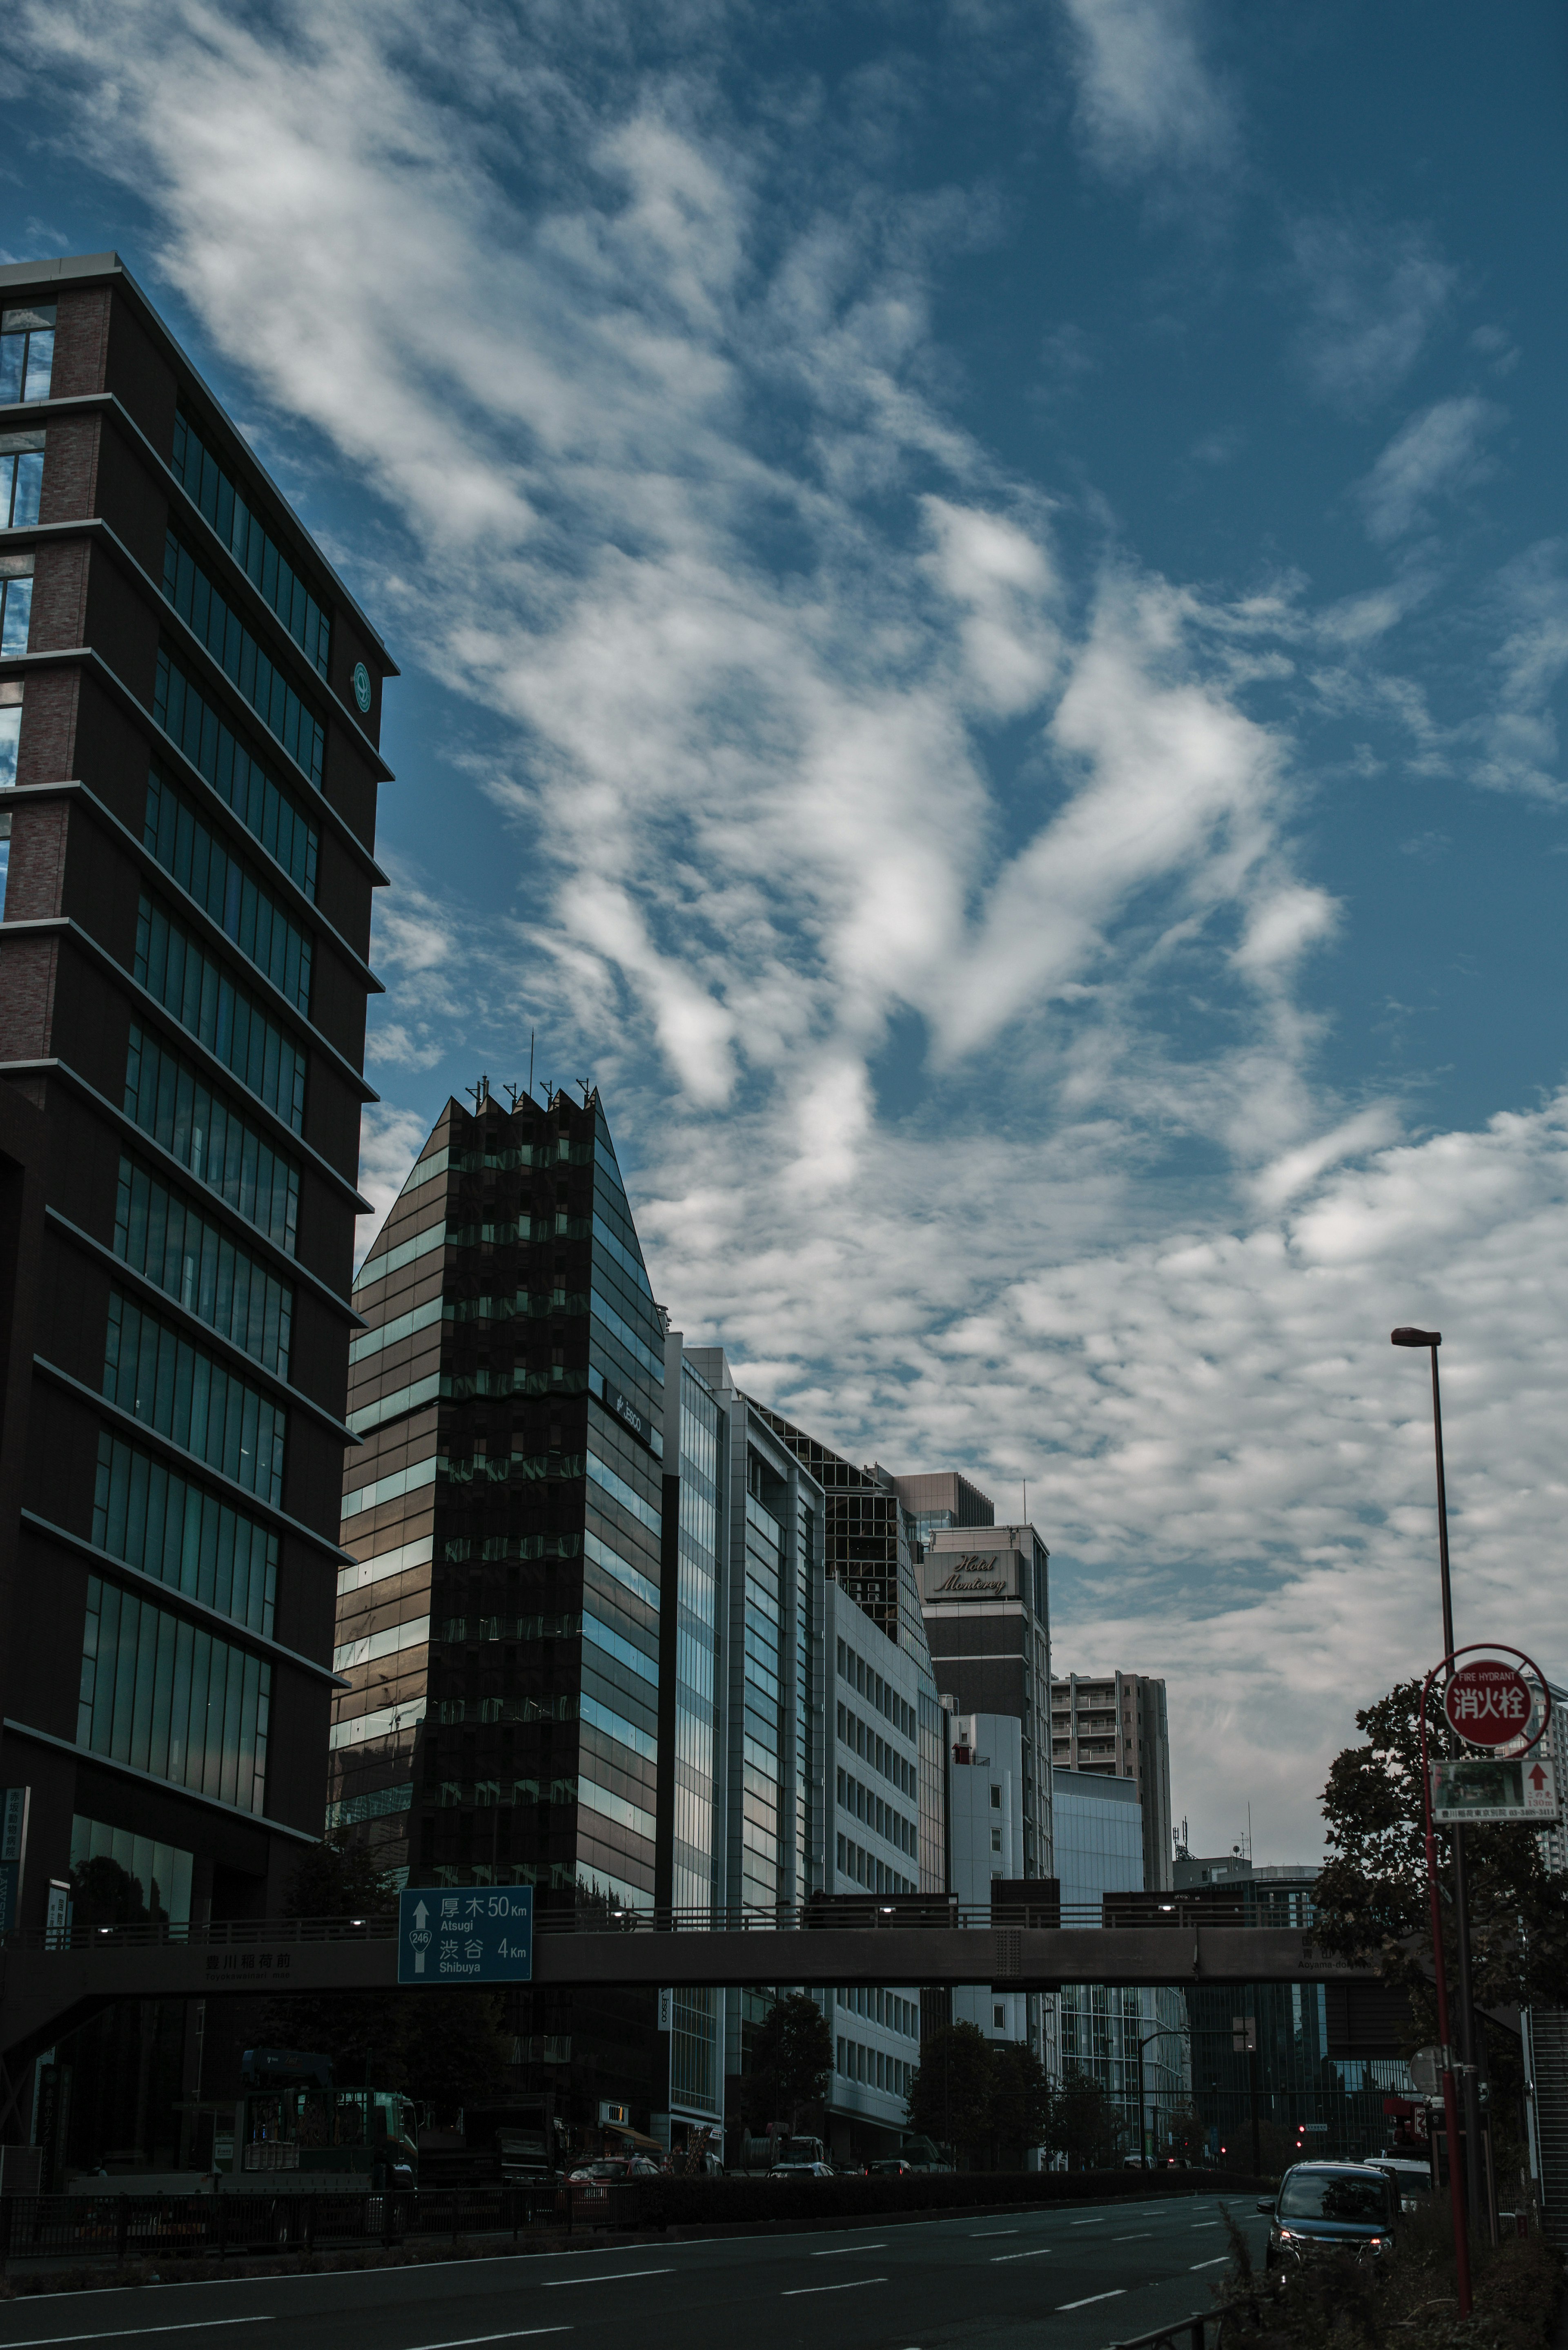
[209, 2226]
[1182, 2334]
[1139, 1911]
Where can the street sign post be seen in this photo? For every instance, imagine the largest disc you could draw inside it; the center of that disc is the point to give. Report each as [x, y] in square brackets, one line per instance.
[482, 1935]
[1518, 1789]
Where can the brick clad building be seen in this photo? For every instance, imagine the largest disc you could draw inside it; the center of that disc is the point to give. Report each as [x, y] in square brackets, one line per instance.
[190, 704]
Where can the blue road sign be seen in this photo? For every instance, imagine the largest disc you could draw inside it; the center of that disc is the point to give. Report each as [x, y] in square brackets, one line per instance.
[482, 1935]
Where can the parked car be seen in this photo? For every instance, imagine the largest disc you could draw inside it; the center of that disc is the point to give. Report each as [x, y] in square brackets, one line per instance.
[895, 2166]
[801, 2171]
[1412, 2177]
[1323, 2206]
[613, 2166]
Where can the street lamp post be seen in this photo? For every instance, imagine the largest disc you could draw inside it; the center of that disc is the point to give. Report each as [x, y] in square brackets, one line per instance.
[1476, 2196]
[1168, 2032]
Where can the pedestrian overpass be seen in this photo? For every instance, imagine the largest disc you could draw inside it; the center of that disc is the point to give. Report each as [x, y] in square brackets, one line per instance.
[51, 1982]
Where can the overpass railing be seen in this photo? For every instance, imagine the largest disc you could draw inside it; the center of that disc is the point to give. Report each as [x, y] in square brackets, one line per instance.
[839, 1913]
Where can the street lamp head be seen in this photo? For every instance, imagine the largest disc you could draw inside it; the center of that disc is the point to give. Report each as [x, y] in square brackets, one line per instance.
[1414, 1337]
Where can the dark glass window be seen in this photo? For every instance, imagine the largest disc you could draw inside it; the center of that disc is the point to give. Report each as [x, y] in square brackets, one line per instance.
[211, 487]
[168, 1697]
[15, 601]
[10, 730]
[21, 478]
[212, 1138]
[157, 1521]
[226, 1016]
[27, 352]
[227, 890]
[238, 653]
[159, 1233]
[216, 752]
[158, 1376]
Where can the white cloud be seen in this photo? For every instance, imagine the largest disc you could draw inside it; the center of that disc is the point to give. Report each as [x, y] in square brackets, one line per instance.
[1373, 299]
[1518, 734]
[809, 734]
[390, 1142]
[1147, 97]
[1437, 454]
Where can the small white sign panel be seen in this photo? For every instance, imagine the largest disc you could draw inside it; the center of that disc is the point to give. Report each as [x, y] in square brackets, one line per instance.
[1521, 1788]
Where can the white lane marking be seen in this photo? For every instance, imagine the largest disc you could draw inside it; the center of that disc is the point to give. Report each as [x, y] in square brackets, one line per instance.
[838, 2251]
[1145, 2236]
[983, 2235]
[513, 2333]
[131, 2333]
[1208, 2264]
[1205, 2223]
[1087, 2223]
[852, 2286]
[624, 2276]
[1020, 2256]
[1114, 2295]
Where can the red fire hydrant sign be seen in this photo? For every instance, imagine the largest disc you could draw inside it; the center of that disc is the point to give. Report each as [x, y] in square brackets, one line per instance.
[1489, 1704]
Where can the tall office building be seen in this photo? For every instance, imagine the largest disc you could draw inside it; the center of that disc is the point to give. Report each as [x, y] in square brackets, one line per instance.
[985, 1847]
[190, 702]
[1134, 2043]
[1117, 1724]
[985, 1598]
[870, 1555]
[499, 1629]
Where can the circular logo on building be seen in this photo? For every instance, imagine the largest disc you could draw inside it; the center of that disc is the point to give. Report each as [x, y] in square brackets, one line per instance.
[361, 685]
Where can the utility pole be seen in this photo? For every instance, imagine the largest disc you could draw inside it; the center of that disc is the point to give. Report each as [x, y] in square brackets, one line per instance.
[1477, 2201]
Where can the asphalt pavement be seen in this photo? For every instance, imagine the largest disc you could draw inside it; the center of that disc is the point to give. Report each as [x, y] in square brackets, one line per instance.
[1071, 2277]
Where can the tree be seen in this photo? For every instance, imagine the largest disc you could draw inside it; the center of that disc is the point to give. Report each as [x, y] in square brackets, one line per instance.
[1084, 2124]
[1372, 1899]
[454, 2047]
[337, 1879]
[950, 2094]
[792, 2059]
[1020, 2103]
[363, 2031]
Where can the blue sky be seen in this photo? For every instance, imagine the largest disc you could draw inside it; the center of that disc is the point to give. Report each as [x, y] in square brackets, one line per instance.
[983, 595]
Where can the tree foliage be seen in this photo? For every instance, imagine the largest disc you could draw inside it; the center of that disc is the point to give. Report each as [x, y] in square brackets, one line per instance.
[1084, 2123]
[989, 2100]
[792, 2059]
[1372, 1899]
[444, 2046]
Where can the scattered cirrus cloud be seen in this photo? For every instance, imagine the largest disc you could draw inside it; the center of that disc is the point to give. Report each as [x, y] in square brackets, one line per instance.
[1438, 454]
[924, 874]
[1371, 298]
[1148, 96]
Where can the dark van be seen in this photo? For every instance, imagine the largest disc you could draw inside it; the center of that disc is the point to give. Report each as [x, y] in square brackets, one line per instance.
[1324, 2207]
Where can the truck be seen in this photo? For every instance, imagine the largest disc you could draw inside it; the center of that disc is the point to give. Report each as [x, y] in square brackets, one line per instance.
[292, 2118]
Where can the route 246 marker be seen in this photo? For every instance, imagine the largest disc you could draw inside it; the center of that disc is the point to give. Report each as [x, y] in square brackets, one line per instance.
[483, 1934]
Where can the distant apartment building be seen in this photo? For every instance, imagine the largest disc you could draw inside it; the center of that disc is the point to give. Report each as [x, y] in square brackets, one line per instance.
[1116, 1724]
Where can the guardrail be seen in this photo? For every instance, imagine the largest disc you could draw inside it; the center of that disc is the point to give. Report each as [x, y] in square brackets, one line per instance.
[212, 2226]
[900, 1913]
[1182, 2329]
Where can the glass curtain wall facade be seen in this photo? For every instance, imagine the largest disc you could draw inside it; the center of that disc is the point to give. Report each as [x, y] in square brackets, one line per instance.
[696, 1450]
[500, 1627]
[768, 1836]
[1099, 1848]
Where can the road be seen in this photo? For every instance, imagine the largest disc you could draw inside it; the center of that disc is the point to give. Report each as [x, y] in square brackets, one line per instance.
[1072, 2277]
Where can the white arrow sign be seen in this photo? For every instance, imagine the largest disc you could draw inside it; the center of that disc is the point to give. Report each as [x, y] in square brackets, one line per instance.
[420, 1937]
